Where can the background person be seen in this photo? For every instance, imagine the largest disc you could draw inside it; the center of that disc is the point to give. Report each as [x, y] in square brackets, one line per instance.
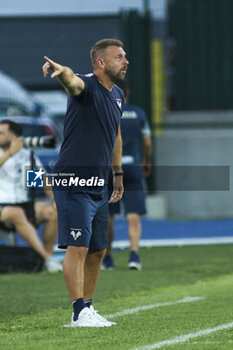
[92, 141]
[134, 129]
[15, 207]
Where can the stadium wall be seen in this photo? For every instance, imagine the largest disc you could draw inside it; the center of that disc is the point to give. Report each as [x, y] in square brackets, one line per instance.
[207, 142]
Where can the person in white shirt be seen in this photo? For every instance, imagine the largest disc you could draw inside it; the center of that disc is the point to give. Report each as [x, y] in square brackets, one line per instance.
[15, 208]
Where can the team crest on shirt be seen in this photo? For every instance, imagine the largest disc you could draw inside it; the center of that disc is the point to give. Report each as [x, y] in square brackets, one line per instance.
[76, 233]
[119, 102]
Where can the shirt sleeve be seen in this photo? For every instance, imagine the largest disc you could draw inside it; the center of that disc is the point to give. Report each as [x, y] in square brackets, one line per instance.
[84, 91]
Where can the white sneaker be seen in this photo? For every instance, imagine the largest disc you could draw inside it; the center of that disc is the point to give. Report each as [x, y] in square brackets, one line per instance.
[134, 261]
[86, 319]
[53, 265]
[99, 317]
[134, 265]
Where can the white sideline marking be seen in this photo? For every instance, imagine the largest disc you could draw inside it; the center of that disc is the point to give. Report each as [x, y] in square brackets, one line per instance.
[152, 306]
[145, 307]
[185, 337]
[169, 242]
[122, 244]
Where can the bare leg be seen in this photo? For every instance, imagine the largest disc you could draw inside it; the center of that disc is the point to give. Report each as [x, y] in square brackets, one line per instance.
[110, 234]
[73, 268]
[15, 217]
[46, 213]
[134, 230]
[92, 268]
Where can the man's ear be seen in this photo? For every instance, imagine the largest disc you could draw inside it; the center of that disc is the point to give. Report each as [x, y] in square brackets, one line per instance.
[100, 62]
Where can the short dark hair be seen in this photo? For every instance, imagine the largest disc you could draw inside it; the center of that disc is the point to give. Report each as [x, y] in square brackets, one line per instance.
[102, 45]
[15, 128]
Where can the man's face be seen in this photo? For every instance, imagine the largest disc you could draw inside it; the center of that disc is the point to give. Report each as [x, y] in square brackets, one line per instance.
[115, 63]
[5, 136]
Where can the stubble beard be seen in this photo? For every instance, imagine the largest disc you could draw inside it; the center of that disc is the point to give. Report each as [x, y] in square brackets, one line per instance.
[115, 77]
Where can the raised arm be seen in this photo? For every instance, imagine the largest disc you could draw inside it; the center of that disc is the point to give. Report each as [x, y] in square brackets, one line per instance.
[71, 83]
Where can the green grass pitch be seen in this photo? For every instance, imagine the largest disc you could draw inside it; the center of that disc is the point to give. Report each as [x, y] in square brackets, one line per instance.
[34, 306]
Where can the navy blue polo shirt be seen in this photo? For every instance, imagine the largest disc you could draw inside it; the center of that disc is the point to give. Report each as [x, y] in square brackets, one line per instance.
[90, 129]
[134, 126]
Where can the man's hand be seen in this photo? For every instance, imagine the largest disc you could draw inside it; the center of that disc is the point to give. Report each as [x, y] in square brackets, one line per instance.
[55, 67]
[118, 189]
[71, 82]
[147, 154]
[15, 146]
[146, 167]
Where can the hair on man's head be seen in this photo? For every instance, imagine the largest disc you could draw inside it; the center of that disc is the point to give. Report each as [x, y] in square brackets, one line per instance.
[15, 128]
[102, 45]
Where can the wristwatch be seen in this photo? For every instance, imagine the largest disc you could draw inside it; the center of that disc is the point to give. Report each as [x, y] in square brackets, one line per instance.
[120, 173]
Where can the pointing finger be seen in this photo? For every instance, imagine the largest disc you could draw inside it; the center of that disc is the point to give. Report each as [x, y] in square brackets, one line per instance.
[49, 60]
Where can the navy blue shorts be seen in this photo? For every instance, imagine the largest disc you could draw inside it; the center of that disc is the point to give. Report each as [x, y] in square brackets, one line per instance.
[133, 199]
[82, 217]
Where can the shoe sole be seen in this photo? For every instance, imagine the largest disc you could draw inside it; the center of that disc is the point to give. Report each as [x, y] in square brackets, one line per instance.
[71, 325]
[134, 266]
